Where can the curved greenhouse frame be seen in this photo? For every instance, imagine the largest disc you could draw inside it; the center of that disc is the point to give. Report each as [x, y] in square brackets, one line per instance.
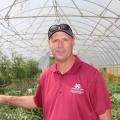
[24, 51]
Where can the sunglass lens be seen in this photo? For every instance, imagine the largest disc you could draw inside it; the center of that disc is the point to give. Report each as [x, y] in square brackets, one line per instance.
[64, 27]
[53, 28]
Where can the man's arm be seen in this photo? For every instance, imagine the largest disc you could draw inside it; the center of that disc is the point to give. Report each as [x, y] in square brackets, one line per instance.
[21, 101]
[106, 116]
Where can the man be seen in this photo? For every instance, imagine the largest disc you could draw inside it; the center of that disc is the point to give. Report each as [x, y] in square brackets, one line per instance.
[69, 89]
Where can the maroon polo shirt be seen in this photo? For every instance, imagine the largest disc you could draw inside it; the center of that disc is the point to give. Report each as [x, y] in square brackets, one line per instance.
[79, 94]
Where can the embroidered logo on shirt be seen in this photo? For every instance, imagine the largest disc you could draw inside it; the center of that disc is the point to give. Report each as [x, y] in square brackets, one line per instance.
[77, 89]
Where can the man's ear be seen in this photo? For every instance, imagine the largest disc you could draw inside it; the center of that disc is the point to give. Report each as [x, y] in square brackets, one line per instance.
[49, 43]
[73, 41]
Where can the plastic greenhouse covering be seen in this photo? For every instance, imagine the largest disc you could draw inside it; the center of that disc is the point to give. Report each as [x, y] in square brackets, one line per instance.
[96, 25]
[24, 50]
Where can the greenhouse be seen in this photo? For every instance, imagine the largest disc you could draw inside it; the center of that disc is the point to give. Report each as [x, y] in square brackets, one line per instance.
[24, 50]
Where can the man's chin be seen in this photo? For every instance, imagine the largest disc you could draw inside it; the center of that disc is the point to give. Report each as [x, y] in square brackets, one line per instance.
[60, 59]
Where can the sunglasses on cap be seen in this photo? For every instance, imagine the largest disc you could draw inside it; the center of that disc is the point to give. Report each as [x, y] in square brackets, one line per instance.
[62, 27]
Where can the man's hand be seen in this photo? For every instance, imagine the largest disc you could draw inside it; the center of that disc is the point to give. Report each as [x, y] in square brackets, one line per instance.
[21, 101]
[106, 116]
[2, 99]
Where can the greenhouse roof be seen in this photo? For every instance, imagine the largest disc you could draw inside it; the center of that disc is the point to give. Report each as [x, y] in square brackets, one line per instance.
[96, 25]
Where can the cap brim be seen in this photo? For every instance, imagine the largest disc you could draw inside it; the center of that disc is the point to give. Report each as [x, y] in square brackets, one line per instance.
[70, 34]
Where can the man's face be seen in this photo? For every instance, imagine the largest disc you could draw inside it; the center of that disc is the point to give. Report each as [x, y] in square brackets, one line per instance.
[61, 45]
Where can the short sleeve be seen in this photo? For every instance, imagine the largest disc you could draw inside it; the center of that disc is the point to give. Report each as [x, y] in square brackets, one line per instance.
[38, 95]
[99, 94]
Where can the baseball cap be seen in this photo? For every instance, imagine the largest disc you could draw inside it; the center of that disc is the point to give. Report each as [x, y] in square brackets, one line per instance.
[61, 27]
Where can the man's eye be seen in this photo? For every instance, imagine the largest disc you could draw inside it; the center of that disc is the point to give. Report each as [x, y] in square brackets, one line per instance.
[54, 41]
[65, 39]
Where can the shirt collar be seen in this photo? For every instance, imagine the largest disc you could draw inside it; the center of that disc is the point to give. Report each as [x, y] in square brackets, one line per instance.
[73, 69]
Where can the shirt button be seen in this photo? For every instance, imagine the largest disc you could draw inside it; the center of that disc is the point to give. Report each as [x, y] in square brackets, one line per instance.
[60, 91]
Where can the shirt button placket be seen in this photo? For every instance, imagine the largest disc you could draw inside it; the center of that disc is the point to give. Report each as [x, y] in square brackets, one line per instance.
[60, 83]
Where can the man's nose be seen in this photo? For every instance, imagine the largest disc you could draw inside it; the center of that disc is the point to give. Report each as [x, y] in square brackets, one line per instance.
[60, 43]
